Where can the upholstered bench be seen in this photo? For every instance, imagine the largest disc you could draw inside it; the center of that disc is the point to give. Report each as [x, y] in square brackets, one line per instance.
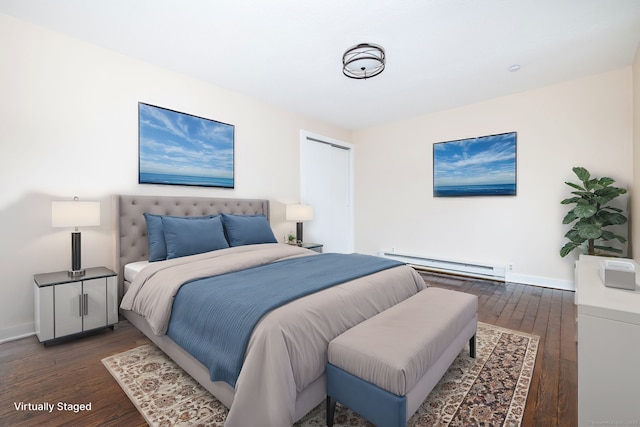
[386, 366]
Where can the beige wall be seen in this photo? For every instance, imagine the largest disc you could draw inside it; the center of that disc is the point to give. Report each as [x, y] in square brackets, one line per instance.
[635, 189]
[69, 126]
[585, 122]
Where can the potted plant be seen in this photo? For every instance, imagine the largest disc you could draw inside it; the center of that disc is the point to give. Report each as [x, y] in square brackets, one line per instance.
[592, 214]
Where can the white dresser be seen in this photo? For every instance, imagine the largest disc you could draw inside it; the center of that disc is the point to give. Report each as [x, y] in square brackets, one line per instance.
[608, 349]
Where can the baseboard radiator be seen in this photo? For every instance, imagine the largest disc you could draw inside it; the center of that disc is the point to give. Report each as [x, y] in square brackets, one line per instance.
[448, 266]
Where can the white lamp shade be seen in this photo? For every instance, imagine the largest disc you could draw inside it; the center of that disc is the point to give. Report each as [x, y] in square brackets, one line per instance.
[75, 214]
[299, 212]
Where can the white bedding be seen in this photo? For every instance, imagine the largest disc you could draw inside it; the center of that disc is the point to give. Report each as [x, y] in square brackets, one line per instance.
[288, 349]
[132, 269]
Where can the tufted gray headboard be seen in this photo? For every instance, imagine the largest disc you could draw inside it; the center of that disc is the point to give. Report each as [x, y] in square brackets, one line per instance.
[131, 241]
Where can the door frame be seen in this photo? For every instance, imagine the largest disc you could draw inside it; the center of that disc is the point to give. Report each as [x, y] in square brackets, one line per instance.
[306, 135]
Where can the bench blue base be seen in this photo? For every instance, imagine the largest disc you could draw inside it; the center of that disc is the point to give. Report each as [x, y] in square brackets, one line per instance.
[380, 407]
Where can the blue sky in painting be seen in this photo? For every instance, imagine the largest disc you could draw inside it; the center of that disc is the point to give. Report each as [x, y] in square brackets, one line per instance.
[176, 143]
[486, 160]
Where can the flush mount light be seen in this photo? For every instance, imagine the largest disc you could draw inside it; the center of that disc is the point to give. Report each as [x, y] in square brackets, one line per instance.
[363, 61]
[514, 68]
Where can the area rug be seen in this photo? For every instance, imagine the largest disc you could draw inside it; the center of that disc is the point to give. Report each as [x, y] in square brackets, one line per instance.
[490, 390]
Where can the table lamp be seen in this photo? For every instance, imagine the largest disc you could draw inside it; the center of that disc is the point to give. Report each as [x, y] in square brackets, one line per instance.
[75, 214]
[299, 213]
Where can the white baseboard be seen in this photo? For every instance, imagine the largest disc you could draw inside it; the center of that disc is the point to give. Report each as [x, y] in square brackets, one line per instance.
[464, 268]
[545, 282]
[16, 332]
[473, 269]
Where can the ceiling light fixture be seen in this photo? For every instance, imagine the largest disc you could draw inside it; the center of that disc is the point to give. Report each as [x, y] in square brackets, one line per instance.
[514, 68]
[363, 61]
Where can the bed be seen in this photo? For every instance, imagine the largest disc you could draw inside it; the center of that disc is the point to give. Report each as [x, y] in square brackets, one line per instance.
[283, 372]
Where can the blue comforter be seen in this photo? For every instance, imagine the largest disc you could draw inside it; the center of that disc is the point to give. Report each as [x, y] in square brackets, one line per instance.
[213, 318]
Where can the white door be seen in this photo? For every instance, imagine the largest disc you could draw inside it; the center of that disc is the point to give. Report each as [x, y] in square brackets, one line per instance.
[326, 185]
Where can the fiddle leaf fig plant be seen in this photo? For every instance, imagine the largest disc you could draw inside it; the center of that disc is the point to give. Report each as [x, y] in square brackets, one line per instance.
[591, 214]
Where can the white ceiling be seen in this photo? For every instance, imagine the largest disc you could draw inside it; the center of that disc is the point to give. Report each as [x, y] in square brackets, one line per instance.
[440, 53]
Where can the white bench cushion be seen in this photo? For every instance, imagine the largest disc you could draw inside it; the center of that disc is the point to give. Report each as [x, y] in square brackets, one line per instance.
[395, 348]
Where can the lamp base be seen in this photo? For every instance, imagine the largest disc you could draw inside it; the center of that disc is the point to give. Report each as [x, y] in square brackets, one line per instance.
[76, 269]
[299, 233]
[76, 273]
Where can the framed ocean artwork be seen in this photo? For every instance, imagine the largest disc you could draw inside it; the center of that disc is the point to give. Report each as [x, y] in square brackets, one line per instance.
[482, 166]
[181, 149]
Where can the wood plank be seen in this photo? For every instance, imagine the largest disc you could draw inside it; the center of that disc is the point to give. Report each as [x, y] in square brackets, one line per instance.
[532, 310]
[568, 380]
[520, 308]
[568, 349]
[539, 328]
[550, 366]
[502, 309]
[568, 394]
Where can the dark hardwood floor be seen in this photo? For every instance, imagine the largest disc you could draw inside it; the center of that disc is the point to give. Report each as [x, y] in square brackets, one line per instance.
[547, 313]
[71, 372]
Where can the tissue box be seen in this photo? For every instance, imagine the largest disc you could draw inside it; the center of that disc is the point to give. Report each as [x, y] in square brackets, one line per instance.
[618, 274]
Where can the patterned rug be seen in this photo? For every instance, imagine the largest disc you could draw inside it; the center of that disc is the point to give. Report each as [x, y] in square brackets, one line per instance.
[490, 390]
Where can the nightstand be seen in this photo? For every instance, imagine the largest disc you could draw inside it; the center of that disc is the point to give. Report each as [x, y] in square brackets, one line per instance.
[66, 305]
[313, 246]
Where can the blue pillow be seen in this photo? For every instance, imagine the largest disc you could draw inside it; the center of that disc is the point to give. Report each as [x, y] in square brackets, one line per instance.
[247, 229]
[155, 236]
[190, 236]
